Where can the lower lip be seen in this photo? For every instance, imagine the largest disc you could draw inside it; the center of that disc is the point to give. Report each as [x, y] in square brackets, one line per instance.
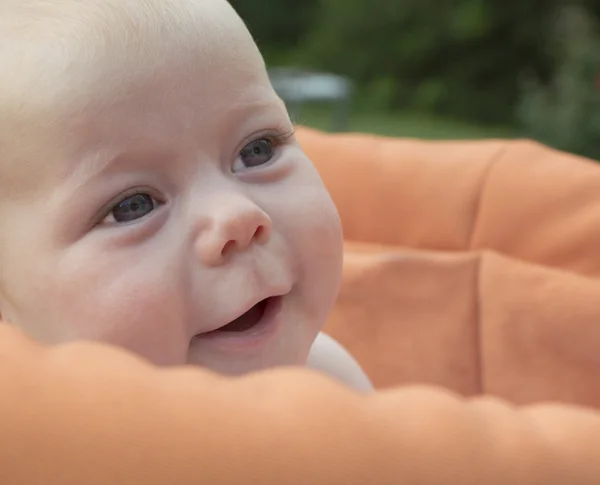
[257, 336]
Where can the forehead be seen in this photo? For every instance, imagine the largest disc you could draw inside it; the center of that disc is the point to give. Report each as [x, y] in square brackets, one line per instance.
[59, 51]
[175, 59]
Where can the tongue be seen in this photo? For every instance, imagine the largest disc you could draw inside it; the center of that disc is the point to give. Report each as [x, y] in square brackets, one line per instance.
[247, 320]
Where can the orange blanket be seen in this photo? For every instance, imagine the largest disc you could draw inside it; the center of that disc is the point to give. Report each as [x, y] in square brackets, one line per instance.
[470, 265]
[86, 414]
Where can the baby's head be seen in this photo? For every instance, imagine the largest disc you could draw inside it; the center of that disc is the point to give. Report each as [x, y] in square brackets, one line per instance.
[151, 188]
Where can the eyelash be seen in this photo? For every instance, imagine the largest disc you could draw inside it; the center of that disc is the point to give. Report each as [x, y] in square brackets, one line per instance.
[278, 137]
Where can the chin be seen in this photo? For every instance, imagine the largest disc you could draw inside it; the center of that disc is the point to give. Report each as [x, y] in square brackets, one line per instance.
[240, 367]
[287, 352]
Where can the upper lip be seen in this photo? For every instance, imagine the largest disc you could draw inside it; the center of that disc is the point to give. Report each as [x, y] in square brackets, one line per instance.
[240, 310]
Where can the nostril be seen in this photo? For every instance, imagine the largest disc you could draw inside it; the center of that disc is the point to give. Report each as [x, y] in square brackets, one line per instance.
[232, 244]
[260, 230]
[229, 245]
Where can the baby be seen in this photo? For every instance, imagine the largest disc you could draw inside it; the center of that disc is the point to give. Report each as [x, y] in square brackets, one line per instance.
[152, 193]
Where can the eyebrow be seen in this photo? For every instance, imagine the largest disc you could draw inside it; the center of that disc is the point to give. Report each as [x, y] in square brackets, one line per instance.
[96, 162]
[272, 105]
[91, 165]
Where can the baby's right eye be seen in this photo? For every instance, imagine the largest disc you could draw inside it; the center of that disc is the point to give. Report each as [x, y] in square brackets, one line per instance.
[130, 209]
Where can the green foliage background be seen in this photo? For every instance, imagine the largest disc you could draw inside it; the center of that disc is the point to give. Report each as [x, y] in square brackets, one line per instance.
[528, 64]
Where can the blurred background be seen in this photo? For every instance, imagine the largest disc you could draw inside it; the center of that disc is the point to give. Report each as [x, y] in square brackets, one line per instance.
[437, 69]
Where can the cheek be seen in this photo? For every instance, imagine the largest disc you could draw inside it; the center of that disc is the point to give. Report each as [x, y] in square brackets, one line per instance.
[310, 224]
[133, 302]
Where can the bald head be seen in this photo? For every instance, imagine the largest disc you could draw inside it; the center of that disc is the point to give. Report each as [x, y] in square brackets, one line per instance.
[45, 43]
[60, 57]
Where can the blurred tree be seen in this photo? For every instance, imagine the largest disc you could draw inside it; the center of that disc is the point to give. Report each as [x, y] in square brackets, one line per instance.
[566, 112]
[277, 25]
[461, 58]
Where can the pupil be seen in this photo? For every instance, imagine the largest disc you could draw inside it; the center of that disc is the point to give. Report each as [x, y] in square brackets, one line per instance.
[133, 208]
[257, 153]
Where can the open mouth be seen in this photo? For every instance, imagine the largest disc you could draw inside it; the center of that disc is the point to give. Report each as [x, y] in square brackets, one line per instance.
[246, 321]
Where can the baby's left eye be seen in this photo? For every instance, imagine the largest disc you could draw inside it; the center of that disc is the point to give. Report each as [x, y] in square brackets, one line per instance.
[257, 153]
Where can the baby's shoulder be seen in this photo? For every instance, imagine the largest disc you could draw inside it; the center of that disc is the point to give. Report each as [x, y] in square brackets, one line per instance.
[327, 355]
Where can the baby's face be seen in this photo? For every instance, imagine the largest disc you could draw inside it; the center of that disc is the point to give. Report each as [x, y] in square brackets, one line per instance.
[164, 201]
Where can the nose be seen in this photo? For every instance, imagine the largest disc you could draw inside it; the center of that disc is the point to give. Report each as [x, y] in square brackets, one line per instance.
[235, 224]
